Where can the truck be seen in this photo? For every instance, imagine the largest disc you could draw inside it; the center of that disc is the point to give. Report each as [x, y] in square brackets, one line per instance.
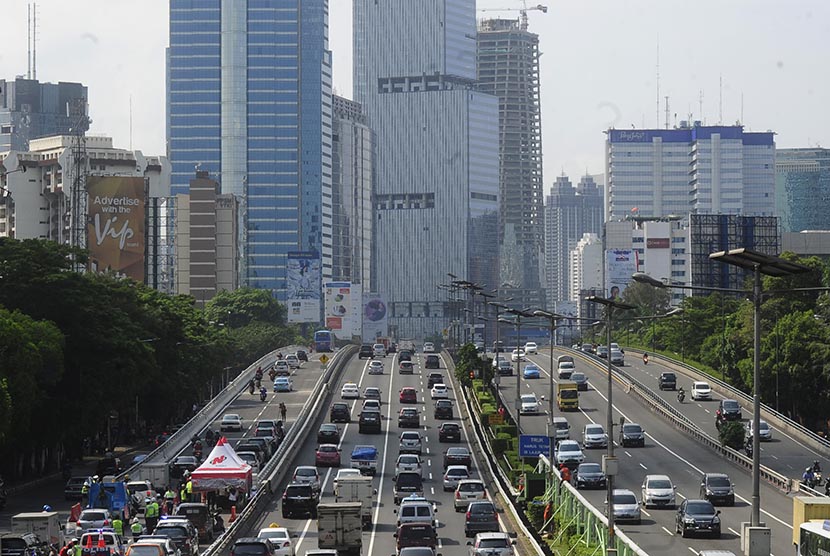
[46, 525]
[113, 496]
[567, 395]
[365, 458]
[340, 527]
[158, 473]
[357, 489]
[806, 509]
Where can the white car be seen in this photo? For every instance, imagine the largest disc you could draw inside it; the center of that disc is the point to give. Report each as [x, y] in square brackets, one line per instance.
[593, 436]
[410, 443]
[408, 462]
[468, 491]
[569, 452]
[231, 422]
[617, 357]
[565, 369]
[371, 405]
[307, 475]
[280, 539]
[531, 348]
[701, 390]
[429, 347]
[530, 405]
[626, 506]
[375, 367]
[517, 355]
[292, 360]
[453, 475]
[350, 390]
[492, 544]
[251, 459]
[764, 430]
[658, 490]
[439, 391]
[379, 350]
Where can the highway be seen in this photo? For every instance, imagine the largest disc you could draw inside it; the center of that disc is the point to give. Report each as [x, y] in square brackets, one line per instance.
[668, 452]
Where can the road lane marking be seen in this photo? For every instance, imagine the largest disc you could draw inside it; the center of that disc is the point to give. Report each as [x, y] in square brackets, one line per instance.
[692, 550]
[643, 466]
[667, 531]
[731, 529]
[645, 512]
[627, 453]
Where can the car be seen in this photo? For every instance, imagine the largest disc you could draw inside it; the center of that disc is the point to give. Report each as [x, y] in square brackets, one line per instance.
[587, 348]
[231, 422]
[140, 491]
[667, 381]
[268, 447]
[148, 548]
[408, 462]
[415, 539]
[717, 488]
[250, 546]
[517, 355]
[405, 355]
[378, 350]
[292, 360]
[701, 390]
[697, 516]
[728, 410]
[375, 367]
[626, 506]
[283, 384]
[468, 490]
[409, 417]
[344, 473]
[617, 357]
[590, 475]
[328, 433]
[581, 381]
[371, 404]
[106, 537]
[632, 434]
[200, 516]
[340, 413]
[408, 395]
[435, 378]
[302, 355]
[531, 371]
[658, 490]
[94, 518]
[602, 352]
[481, 517]
[416, 509]
[443, 409]
[365, 351]
[73, 490]
[764, 430]
[530, 405]
[182, 464]
[449, 432]
[531, 348]
[565, 369]
[479, 346]
[306, 475]
[429, 347]
[432, 361]
[562, 427]
[594, 436]
[410, 443]
[300, 499]
[491, 544]
[372, 393]
[369, 421]
[350, 390]
[504, 367]
[406, 367]
[327, 455]
[454, 474]
[281, 368]
[280, 539]
[168, 546]
[569, 453]
[498, 347]
[439, 391]
[183, 534]
[458, 455]
[252, 459]
[393, 348]
[407, 483]
[265, 431]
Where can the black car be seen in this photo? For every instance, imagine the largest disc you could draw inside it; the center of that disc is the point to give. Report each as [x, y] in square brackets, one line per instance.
[328, 433]
[435, 378]
[405, 355]
[393, 348]
[300, 499]
[717, 488]
[449, 432]
[267, 443]
[443, 409]
[74, 488]
[340, 413]
[409, 417]
[632, 434]
[668, 381]
[251, 546]
[590, 475]
[23, 544]
[182, 464]
[432, 361]
[370, 421]
[183, 534]
[728, 410]
[697, 516]
[458, 455]
[367, 351]
[199, 515]
[258, 449]
[302, 355]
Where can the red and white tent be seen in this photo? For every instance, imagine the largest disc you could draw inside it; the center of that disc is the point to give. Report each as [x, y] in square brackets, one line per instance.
[222, 468]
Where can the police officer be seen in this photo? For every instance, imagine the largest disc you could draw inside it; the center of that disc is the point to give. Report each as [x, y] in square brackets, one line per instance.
[136, 528]
[170, 499]
[150, 515]
[118, 526]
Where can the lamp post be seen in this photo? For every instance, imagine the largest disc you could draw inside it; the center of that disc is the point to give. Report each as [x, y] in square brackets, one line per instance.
[610, 460]
[552, 318]
[518, 323]
[499, 306]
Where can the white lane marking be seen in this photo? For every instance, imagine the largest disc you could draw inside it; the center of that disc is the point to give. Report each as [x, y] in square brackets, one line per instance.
[681, 496]
[645, 512]
[644, 467]
[432, 490]
[667, 531]
[429, 462]
[731, 529]
[430, 476]
[693, 550]
[707, 411]
[627, 453]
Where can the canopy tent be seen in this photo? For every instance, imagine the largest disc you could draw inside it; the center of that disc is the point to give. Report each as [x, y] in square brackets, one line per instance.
[222, 468]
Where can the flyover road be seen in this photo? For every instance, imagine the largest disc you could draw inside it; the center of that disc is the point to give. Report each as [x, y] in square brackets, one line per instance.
[667, 451]
[379, 540]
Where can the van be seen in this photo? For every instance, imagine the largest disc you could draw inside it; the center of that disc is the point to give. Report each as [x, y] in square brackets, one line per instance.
[199, 515]
[415, 534]
[562, 428]
[416, 510]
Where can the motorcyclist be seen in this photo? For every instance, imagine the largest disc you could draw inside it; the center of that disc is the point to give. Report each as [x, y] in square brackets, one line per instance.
[816, 466]
[748, 447]
[681, 395]
[808, 478]
[251, 386]
[645, 358]
[263, 393]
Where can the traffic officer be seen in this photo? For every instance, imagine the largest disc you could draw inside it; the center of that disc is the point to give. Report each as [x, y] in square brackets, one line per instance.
[118, 526]
[150, 515]
[136, 528]
[170, 499]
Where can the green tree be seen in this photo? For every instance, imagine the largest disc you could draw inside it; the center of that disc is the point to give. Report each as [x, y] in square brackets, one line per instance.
[732, 434]
[245, 305]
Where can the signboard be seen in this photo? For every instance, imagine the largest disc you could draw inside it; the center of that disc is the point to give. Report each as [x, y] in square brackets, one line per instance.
[324, 359]
[620, 264]
[375, 317]
[303, 276]
[495, 419]
[342, 309]
[533, 445]
[658, 243]
[116, 225]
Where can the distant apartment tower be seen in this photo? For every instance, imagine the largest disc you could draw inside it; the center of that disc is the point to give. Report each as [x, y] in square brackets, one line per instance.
[347, 243]
[570, 212]
[437, 187]
[30, 110]
[508, 67]
[802, 189]
[585, 265]
[691, 169]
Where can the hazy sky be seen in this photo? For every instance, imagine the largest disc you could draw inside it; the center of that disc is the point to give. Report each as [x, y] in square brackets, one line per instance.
[598, 66]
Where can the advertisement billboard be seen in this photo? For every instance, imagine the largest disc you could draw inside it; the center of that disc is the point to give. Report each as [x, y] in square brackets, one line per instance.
[304, 280]
[115, 226]
[375, 317]
[620, 264]
[343, 303]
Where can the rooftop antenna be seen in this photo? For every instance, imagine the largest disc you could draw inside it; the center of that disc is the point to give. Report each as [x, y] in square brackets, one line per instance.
[667, 112]
[29, 42]
[742, 108]
[700, 105]
[34, 41]
[658, 80]
[720, 99]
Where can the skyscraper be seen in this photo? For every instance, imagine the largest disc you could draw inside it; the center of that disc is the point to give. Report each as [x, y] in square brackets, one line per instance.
[249, 100]
[437, 189]
[802, 189]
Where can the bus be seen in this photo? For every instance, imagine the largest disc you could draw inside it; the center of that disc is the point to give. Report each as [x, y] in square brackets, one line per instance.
[323, 341]
[814, 538]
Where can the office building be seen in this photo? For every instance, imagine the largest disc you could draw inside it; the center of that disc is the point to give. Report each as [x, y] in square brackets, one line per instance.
[691, 169]
[249, 101]
[437, 174]
[802, 189]
[585, 265]
[507, 64]
[30, 110]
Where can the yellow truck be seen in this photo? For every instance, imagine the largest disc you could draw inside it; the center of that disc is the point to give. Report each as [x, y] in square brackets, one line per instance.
[807, 509]
[567, 396]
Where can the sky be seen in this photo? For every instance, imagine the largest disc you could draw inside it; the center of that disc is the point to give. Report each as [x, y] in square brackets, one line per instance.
[763, 62]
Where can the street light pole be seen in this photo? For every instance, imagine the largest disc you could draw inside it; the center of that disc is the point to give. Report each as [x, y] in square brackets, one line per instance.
[552, 317]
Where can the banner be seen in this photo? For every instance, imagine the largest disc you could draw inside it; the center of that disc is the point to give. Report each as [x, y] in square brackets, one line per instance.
[342, 309]
[304, 278]
[620, 264]
[375, 317]
[115, 226]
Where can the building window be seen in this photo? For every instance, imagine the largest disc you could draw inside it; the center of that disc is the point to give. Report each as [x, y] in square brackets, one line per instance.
[678, 273]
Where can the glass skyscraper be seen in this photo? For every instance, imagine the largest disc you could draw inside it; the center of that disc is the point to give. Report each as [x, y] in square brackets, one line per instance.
[802, 189]
[249, 100]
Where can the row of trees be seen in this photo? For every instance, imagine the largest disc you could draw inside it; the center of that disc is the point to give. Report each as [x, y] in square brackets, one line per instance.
[79, 349]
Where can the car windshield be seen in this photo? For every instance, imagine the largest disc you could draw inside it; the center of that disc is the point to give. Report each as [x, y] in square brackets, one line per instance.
[731, 405]
[93, 516]
[625, 499]
[408, 459]
[249, 549]
[590, 468]
[700, 508]
[718, 482]
[144, 550]
[482, 508]
[298, 490]
[632, 428]
[561, 425]
[568, 447]
[700, 386]
[410, 436]
[471, 487]
[528, 398]
[569, 394]
[173, 532]
[763, 426]
[306, 472]
[328, 428]
[659, 483]
[328, 448]
[594, 429]
[492, 543]
[576, 377]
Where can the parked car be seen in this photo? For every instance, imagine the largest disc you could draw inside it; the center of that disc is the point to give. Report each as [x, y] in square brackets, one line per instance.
[697, 516]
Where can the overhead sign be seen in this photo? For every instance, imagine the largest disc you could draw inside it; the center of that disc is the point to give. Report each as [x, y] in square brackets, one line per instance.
[533, 445]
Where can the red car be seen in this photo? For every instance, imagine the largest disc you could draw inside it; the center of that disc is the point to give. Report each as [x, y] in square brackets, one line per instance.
[408, 395]
[327, 455]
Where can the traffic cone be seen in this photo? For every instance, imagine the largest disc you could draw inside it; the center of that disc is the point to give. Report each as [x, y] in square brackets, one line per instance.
[233, 514]
[88, 541]
[101, 543]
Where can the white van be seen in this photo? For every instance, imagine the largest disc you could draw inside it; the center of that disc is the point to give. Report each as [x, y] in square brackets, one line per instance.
[416, 509]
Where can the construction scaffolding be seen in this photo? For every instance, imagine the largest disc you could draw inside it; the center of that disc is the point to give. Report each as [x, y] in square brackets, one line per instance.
[77, 214]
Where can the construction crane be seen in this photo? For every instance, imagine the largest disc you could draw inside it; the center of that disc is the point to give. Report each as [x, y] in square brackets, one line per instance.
[523, 11]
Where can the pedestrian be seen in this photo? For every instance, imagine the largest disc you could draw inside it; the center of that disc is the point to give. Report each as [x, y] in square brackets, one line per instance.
[169, 499]
[77, 550]
[232, 497]
[283, 411]
[565, 472]
[136, 528]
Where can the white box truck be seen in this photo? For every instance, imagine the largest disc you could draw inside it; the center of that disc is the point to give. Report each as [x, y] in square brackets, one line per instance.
[357, 489]
[46, 525]
[340, 527]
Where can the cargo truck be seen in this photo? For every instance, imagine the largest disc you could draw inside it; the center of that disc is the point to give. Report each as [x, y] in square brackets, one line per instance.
[357, 489]
[567, 396]
[806, 509]
[340, 527]
[46, 525]
[158, 473]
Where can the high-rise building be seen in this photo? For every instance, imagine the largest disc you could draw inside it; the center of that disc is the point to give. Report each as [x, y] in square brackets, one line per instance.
[507, 63]
[691, 169]
[586, 265]
[802, 189]
[570, 212]
[347, 243]
[249, 101]
[30, 109]
[437, 186]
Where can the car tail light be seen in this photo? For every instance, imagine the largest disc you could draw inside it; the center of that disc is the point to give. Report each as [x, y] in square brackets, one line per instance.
[106, 522]
[467, 515]
[286, 544]
[457, 494]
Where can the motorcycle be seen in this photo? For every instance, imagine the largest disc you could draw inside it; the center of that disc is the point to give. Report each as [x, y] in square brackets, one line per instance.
[263, 394]
[748, 448]
[827, 486]
[681, 396]
[645, 359]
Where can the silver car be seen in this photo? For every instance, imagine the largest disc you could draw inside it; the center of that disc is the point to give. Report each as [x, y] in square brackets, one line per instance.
[658, 490]
[593, 436]
[626, 506]
[408, 462]
[491, 544]
[453, 475]
[410, 443]
[95, 518]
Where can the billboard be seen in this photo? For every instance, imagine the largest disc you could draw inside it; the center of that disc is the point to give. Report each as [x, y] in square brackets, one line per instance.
[115, 225]
[375, 317]
[343, 302]
[304, 280]
[620, 264]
